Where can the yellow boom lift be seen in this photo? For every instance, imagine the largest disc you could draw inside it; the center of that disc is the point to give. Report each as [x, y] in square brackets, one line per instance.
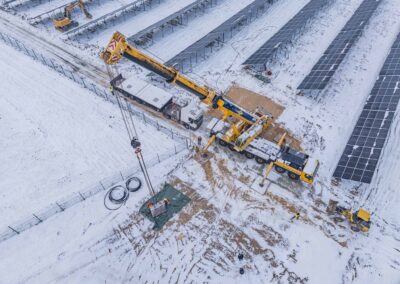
[65, 22]
[240, 135]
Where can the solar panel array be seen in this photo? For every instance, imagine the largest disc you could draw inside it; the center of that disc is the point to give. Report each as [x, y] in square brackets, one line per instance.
[327, 65]
[286, 34]
[226, 30]
[362, 152]
[147, 34]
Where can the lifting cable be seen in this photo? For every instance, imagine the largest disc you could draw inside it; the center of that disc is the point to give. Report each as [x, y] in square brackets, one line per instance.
[127, 117]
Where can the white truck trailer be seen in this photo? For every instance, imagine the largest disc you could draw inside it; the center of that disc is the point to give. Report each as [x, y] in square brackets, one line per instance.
[189, 114]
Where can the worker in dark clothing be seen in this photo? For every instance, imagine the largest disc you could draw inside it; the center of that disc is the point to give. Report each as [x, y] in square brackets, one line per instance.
[296, 216]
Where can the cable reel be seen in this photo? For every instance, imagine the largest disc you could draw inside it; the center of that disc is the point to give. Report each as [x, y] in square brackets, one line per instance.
[117, 195]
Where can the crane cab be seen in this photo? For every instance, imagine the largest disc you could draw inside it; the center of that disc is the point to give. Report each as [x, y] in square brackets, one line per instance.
[64, 23]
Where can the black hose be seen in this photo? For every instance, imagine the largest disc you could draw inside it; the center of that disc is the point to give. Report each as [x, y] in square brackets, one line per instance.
[135, 186]
[119, 201]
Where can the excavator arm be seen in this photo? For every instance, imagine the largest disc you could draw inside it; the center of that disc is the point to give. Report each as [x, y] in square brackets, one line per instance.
[66, 22]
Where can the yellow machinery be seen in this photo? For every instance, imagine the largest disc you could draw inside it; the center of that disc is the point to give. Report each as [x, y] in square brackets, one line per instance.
[118, 47]
[65, 22]
[297, 165]
[359, 220]
[240, 133]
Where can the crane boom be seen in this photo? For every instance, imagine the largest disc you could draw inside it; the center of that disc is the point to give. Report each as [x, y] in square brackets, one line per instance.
[118, 47]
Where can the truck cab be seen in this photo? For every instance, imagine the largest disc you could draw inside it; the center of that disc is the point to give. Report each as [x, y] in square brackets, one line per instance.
[189, 114]
[297, 164]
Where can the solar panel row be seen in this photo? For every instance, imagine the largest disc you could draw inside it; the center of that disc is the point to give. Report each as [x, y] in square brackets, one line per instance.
[148, 33]
[220, 34]
[361, 154]
[327, 65]
[285, 35]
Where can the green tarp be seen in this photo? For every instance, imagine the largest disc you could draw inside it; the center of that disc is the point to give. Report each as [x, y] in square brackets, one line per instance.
[177, 200]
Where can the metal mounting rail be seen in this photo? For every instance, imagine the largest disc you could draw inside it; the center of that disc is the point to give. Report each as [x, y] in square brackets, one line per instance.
[50, 14]
[111, 16]
[37, 19]
[176, 18]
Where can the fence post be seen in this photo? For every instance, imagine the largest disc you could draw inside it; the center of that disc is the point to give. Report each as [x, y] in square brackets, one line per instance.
[94, 88]
[34, 53]
[52, 64]
[158, 157]
[83, 82]
[27, 52]
[16, 42]
[175, 149]
[40, 220]
[43, 60]
[121, 175]
[73, 77]
[62, 69]
[15, 231]
[83, 198]
[62, 209]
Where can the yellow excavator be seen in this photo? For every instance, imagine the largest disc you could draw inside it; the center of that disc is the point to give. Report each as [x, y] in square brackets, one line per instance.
[241, 134]
[65, 22]
[359, 220]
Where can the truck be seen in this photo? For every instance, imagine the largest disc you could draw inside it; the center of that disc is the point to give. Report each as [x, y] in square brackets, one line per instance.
[298, 165]
[189, 114]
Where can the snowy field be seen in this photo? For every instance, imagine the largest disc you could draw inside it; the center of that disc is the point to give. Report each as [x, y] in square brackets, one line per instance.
[58, 138]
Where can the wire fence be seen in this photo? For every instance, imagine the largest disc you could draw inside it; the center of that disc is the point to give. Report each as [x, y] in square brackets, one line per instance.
[65, 203]
[101, 92]
[80, 196]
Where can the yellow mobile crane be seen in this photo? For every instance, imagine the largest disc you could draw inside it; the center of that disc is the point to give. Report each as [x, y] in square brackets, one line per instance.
[240, 136]
[65, 22]
[118, 47]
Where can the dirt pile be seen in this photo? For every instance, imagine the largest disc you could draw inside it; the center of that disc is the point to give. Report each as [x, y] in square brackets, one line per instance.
[251, 101]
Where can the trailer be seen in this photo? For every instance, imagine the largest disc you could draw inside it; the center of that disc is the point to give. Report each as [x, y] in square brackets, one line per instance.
[189, 114]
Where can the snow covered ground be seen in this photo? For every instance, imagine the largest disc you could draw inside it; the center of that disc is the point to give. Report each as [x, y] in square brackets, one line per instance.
[57, 138]
[229, 212]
